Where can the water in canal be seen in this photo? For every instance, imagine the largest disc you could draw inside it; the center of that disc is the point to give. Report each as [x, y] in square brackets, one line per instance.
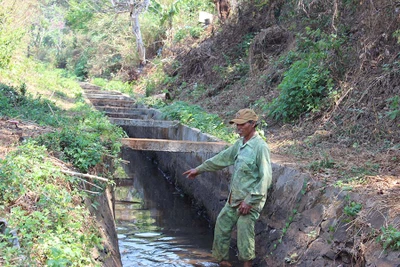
[156, 224]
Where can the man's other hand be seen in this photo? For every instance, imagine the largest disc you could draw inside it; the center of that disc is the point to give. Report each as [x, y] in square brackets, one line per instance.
[244, 208]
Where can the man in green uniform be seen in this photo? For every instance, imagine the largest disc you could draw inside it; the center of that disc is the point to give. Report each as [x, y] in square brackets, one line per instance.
[252, 175]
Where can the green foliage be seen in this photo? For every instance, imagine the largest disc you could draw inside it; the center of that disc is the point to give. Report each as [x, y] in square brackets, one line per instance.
[9, 37]
[43, 206]
[81, 141]
[244, 46]
[17, 103]
[158, 79]
[352, 209]
[196, 117]
[307, 83]
[396, 34]
[81, 70]
[325, 163]
[51, 225]
[99, 82]
[303, 89]
[79, 15]
[114, 85]
[394, 107]
[390, 238]
[193, 31]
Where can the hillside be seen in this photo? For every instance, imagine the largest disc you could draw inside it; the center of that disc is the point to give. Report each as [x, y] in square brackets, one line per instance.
[353, 128]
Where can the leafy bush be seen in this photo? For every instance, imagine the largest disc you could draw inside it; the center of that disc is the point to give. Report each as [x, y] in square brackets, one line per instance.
[81, 70]
[82, 141]
[244, 46]
[394, 107]
[352, 209]
[303, 89]
[83, 137]
[390, 237]
[307, 83]
[79, 14]
[196, 117]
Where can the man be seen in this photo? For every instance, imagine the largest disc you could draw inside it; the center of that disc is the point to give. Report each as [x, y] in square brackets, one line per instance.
[252, 175]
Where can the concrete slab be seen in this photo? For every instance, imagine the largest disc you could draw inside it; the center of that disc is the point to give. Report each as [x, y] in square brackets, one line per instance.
[174, 145]
[134, 111]
[107, 96]
[104, 92]
[127, 116]
[144, 123]
[113, 103]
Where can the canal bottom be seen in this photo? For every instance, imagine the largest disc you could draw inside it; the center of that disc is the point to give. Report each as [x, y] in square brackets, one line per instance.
[156, 223]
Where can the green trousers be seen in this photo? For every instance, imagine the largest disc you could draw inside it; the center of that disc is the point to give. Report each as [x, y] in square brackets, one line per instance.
[227, 219]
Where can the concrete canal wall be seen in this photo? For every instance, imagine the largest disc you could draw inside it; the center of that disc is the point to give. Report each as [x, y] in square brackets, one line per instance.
[209, 190]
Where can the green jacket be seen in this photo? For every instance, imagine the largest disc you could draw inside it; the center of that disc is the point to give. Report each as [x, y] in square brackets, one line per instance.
[252, 174]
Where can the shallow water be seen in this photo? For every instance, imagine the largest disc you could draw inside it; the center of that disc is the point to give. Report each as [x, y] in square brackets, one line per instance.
[156, 224]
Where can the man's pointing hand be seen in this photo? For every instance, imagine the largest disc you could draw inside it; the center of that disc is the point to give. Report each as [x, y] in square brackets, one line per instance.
[191, 174]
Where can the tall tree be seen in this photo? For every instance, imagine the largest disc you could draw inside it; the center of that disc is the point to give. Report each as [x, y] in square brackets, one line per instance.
[135, 7]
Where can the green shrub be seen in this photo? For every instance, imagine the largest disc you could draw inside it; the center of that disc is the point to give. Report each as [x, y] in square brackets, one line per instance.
[81, 70]
[244, 45]
[303, 89]
[196, 117]
[193, 31]
[307, 84]
[390, 238]
[85, 139]
[394, 107]
[352, 209]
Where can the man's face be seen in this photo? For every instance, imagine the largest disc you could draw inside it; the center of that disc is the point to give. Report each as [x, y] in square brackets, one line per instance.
[245, 129]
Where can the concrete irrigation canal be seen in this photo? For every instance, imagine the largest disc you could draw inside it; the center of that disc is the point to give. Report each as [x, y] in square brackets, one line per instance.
[164, 219]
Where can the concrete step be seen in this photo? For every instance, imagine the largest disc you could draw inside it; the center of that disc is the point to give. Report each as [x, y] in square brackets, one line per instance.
[144, 123]
[127, 116]
[89, 86]
[113, 103]
[174, 145]
[107, 97]
[130, 110]
[103, 92]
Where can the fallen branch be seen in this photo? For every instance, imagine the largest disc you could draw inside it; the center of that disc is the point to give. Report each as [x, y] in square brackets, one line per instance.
[92, 184]
[78, 174]
[128, 201]
[91, 192]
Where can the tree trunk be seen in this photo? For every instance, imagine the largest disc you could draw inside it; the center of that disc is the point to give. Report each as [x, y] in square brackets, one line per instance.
[136, 8]
[139, 41]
